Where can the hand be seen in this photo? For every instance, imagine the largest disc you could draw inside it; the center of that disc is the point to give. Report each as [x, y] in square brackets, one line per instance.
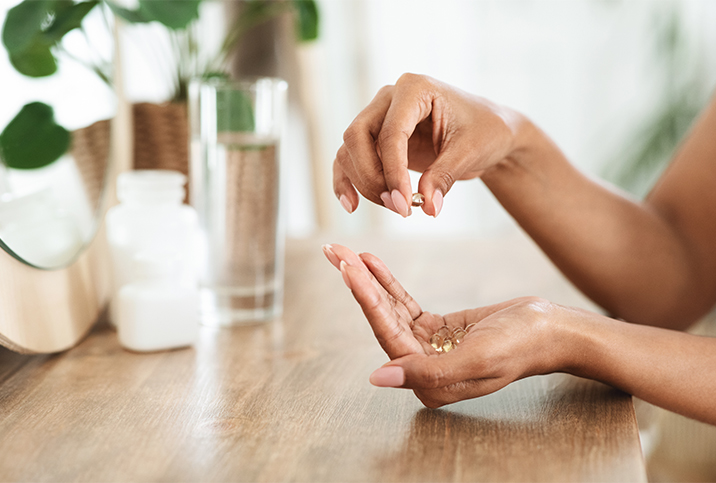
[423, 125]
[509, 341]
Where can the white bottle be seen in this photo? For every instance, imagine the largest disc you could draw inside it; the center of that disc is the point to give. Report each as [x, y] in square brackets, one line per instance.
[158, 310]
[151, 216]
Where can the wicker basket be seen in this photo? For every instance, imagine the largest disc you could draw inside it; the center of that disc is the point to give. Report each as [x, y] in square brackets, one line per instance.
[90, 150]
[161, 137]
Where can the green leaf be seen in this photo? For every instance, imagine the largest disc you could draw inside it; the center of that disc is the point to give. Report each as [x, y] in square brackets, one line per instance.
[35, 61]
[175, 14]
[234, 111]
[67, 19]
[306, 19]
[22, 24]
[33, 139]
[131, 16]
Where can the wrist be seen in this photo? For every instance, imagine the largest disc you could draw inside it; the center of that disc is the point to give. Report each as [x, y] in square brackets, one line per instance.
[580, 343]
[556, 341]
[529, 157]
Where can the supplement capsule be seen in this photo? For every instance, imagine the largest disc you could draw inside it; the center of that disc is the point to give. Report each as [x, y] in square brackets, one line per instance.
[418, 199]
[458, 335]
[448, 345]
[444, 331]
[437, 342]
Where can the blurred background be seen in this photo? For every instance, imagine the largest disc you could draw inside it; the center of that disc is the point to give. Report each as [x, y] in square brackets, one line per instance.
[615, 83]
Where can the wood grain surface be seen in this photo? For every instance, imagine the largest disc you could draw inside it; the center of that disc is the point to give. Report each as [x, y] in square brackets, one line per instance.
[290, 400]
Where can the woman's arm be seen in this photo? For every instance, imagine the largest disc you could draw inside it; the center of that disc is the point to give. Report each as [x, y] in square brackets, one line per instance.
[651, 262]
[525, 337]
[667, 368]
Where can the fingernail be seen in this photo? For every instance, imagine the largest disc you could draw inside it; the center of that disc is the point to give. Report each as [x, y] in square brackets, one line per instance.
[343, 265]
[346, 204]
[328, 252]
[387, 201]
[401, 206]
[437, 202]
[388, 376]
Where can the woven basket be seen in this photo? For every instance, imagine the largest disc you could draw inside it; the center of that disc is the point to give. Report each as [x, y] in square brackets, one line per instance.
[161, 137]
[90, 150]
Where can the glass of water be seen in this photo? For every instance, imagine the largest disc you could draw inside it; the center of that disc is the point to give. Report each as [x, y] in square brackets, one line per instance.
[236, 129]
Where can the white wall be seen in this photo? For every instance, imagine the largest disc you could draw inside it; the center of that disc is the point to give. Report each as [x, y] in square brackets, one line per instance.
[582, 70]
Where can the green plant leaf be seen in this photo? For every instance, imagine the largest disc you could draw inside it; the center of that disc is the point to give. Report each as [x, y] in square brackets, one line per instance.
[35, 61]
[234, 111]
[67, 19]
[23, 24]
[307, 19]
[131, 16]
[33, 139]
[175, 14]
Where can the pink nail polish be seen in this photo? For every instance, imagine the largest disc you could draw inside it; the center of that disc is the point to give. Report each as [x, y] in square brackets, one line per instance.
[346, 204]
[343, 265]
[437, 202]
[388, 376]
[387, 201]
[328, 251]
[401, 206]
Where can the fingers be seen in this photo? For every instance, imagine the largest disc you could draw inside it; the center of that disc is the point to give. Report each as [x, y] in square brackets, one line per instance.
[411, 103]
[377, 268]
[379, 171]
[358, 160]
[335, 253]
[381, 272]
[438, 380]
[344, 190]
[435, 182]
[390, 326]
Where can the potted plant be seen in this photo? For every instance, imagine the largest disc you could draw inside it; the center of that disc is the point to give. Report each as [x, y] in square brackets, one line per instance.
[161, 130]
[33, 33]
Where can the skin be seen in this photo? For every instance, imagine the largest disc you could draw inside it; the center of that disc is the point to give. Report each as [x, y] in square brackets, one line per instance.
[661, 270]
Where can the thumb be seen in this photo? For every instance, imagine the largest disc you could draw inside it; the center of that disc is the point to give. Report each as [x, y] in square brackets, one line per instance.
[438, 178]
[420, 371]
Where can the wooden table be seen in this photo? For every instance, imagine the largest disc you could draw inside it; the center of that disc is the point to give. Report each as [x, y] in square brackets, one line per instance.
[290, 400]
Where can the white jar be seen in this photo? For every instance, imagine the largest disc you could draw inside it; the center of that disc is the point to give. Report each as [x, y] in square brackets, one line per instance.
[157, 311]
[151, 217]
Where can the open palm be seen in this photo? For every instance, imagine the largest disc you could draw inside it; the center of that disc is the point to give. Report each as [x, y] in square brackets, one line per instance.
[503, 345]
[398, 322]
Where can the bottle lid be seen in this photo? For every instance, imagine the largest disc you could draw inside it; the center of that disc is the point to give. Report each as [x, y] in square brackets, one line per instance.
[151, 186]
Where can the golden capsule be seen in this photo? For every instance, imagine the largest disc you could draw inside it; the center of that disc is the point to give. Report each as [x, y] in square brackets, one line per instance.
[467, 329]
[458, 334]
[437, 342]
[448, 345]
[444, 331]
[418, 199]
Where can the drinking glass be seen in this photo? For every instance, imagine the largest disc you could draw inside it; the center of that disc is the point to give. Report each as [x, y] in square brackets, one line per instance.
[236, 129]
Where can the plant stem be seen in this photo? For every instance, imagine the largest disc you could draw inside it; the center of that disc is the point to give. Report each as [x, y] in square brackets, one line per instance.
[94, 68]
[246, 20]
